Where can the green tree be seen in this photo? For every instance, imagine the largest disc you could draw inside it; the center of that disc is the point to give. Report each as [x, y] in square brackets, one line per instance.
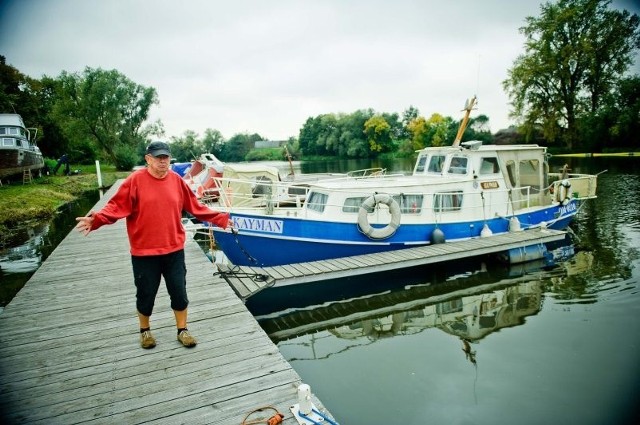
[238, 146]
[620, 120]
[576, 52]
[336, 135]
[213, 141]
[105, 108]
[378, 132]
[15, 91]
[188, 147]
[418, 130]
[23, 95]
[477, 129]
[353, 141]
[409, 115]
[627, 120]
[439, 130]
[308, 135]
[53, 143]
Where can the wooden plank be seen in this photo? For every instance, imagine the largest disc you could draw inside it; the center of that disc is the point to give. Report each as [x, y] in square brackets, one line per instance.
[301, 269]
[411, 257]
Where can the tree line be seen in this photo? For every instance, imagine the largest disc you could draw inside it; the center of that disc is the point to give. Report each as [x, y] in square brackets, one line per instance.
[569, 90]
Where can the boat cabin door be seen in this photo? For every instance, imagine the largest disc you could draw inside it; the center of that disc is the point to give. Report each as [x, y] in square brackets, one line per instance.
[526, 176]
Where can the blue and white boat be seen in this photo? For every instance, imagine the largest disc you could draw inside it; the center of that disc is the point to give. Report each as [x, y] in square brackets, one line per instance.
[454, 193]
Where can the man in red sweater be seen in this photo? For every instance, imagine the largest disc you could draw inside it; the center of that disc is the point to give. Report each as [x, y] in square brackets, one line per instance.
[152, 201]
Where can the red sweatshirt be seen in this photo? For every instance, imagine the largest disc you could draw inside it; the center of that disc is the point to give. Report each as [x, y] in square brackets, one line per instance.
[153, 209]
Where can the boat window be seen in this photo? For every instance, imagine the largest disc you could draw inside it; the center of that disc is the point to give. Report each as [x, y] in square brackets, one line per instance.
[453, 306]
[447, 201]
[8, 142]
[436, 163]
[261, 185]
[489, 166]
[317, 201]
[458, 165]
[530, 173]
[352, 205]
[420, 164]
[409, 204]
[12, 131]
[298, 190]
[511, 172]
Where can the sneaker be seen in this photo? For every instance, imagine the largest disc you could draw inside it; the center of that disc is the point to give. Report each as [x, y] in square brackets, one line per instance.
[186, 339]
[147, 340]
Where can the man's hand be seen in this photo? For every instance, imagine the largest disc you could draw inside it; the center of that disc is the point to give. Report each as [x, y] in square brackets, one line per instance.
[85, 223]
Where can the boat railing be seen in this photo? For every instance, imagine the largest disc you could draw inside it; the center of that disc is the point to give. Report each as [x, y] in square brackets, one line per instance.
[259, 194]
[578, 186]
[287, 198]
[368, 172]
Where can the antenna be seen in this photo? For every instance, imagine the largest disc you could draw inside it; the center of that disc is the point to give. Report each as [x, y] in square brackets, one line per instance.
[478, 76]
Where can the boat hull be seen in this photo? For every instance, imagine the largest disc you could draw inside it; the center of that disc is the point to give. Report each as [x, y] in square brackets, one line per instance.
[272, 240]
[16, 161]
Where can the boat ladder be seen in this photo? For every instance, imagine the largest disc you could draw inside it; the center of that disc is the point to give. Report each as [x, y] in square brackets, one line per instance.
[26, 176]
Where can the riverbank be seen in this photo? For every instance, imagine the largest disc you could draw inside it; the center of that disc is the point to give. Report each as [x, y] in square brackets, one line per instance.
[24, 205]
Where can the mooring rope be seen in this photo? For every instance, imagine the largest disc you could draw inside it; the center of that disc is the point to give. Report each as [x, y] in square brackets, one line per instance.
[234, 231]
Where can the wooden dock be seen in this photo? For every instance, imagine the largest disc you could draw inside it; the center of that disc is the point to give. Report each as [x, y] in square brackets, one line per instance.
[70, 352]
[247, 281]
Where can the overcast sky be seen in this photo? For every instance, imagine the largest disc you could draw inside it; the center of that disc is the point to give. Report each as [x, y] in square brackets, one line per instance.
[252, 66]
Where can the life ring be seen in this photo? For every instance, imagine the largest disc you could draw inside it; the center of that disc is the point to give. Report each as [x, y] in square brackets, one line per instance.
[563, 192]
[368, 205]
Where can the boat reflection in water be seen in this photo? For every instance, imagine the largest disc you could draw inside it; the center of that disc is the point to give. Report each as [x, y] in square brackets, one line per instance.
[470, 305]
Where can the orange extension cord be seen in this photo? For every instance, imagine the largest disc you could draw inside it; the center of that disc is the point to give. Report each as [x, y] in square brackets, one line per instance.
[273, 420]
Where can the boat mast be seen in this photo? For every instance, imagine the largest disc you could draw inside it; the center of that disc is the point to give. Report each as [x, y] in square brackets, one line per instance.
[465, 120]
[288, 155]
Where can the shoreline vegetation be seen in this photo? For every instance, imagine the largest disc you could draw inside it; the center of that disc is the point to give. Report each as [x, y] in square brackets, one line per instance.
[25, 205]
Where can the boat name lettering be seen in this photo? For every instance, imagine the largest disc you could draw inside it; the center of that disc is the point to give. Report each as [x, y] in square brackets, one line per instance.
[569, 208]
[271, 226]
[490, 185]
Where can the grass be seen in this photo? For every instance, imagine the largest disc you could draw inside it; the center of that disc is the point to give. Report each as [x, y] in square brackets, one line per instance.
[24, 204]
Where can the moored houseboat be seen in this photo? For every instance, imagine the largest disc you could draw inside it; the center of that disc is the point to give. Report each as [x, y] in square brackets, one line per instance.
[18, 149]
[455, 193]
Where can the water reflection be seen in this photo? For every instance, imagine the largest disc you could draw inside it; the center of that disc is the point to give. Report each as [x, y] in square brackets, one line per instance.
[25, 257]
[32, 244]
[468, 306]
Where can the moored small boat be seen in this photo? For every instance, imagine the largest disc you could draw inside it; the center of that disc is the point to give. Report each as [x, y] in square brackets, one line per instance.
[200, 176]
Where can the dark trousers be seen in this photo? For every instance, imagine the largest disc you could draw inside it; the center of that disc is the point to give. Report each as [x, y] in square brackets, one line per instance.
[147, 271]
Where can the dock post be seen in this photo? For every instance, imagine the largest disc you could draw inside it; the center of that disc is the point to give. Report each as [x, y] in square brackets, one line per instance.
[99, 174]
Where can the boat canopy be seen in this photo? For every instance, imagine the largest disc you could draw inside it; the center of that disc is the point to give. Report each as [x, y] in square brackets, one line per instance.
[242, 183]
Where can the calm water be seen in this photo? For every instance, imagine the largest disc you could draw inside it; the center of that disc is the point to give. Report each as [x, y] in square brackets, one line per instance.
[474, 343]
